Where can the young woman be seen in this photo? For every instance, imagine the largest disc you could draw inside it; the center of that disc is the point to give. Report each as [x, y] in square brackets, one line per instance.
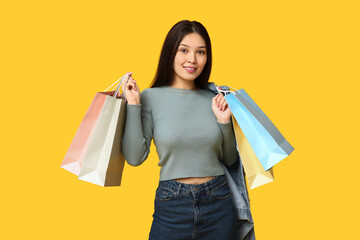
[192, 131]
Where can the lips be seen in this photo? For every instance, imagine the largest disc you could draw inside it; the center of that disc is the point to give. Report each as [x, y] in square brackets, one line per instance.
[190, 69]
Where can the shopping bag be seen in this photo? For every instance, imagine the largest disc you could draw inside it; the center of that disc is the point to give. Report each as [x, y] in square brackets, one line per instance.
[265, 139]
[95, 152]
[254, 171]
[75, 155]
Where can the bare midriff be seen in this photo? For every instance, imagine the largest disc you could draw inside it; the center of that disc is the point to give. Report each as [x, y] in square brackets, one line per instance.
[194, 180]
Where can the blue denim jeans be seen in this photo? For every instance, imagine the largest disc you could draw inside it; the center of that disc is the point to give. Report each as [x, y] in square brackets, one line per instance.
[194, 211]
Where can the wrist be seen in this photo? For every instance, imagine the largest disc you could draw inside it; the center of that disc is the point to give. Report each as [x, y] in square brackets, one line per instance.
[133, 103]
[223, 121]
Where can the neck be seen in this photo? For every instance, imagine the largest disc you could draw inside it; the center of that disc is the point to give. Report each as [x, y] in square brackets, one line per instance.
[190, 85]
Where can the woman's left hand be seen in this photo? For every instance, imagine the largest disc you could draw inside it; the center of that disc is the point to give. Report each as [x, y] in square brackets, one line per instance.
[221, 109]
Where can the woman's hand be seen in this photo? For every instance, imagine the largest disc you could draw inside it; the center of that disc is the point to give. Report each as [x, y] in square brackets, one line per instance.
[221, 109]
[132, 91]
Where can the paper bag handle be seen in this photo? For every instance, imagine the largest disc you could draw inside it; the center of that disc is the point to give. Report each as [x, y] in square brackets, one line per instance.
[118, 86]
[224, 91]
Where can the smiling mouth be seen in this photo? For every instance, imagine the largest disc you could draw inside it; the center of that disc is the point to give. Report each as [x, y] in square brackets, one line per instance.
[190, 69]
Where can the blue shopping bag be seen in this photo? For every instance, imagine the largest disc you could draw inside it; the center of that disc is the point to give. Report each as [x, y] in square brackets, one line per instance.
[265, 139]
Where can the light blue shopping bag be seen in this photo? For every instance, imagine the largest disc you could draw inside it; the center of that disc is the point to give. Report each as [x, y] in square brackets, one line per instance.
[265, 139]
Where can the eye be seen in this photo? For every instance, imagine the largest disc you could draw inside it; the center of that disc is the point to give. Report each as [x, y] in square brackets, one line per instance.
[202, 52]
[183, 50]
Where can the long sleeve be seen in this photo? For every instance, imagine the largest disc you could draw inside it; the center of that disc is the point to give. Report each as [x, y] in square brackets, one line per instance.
[138, 131]
[230, 154]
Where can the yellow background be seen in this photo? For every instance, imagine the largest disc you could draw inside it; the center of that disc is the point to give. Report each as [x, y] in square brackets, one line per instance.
[299, 61]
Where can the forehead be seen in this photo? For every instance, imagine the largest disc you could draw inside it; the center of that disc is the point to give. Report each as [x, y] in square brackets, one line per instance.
[193, 40]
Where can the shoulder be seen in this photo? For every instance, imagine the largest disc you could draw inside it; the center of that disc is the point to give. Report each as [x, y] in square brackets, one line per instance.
[157, 92]
[149, 97]
[151, 91]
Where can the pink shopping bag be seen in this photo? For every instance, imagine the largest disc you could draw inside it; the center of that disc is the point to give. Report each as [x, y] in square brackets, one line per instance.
[78, 148]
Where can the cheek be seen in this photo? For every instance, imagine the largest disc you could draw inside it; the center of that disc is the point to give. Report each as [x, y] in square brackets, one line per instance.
[179, 58]
[203, 61]
[177, 62]
[176, 66]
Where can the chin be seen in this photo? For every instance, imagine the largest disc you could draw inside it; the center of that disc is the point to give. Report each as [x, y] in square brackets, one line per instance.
[190, 78]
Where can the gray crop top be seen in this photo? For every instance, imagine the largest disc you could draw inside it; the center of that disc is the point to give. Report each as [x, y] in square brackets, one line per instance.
[188, 139]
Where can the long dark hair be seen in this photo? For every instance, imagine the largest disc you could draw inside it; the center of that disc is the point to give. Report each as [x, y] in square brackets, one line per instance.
[165, 71]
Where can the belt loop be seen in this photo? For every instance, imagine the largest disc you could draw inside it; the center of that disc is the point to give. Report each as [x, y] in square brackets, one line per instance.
[178, 190]
[207, 189]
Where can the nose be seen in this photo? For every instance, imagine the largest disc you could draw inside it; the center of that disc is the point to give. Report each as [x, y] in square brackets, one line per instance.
[192, 57]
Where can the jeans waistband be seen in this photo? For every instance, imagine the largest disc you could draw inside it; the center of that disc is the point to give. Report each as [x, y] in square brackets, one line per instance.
[176, 186]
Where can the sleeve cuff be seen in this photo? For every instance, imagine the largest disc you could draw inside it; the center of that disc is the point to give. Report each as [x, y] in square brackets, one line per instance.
[133, 107]
[225, 123]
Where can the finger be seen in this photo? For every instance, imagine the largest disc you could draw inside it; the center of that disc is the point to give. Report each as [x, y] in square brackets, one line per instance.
[219, 99]
[126, 80]
[131, 79]
[222, 101]
[224, 107]
[216, 97]
[128, 77]
[216, 100]
[130, 86]
[219, 96]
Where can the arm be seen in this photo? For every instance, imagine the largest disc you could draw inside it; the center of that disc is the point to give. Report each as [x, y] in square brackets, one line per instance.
[223, 114]
[138, 131]
[230, 154]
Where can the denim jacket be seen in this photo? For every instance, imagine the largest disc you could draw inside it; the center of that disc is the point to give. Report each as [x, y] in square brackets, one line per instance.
[235, 177]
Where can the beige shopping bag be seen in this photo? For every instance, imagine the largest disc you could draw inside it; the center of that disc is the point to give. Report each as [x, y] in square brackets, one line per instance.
[255, 173]
[103, 164]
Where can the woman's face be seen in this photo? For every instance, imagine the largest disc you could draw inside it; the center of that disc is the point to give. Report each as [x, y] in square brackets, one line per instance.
[190, 58]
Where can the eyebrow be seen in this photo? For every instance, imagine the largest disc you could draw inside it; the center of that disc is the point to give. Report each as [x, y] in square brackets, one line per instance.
[188, 46]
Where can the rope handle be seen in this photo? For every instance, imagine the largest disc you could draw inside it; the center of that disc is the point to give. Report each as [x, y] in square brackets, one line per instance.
[224, 91]
[117, 87]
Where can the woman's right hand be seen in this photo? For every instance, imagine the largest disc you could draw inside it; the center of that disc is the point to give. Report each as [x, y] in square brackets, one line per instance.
[132, 91]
